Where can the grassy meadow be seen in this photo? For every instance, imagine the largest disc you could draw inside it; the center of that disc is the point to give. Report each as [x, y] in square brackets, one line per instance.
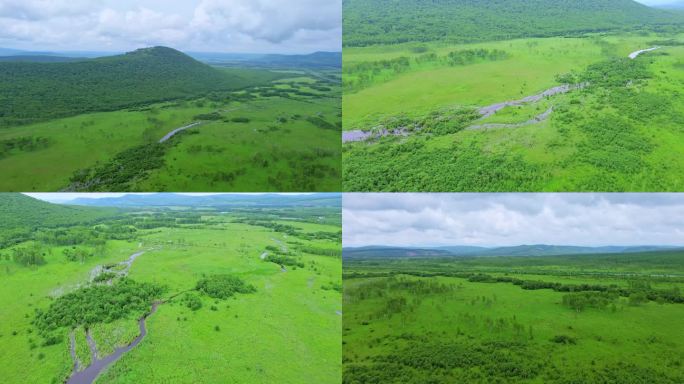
[288, 258]
[620, 132]
[281, 133]
[561, 319]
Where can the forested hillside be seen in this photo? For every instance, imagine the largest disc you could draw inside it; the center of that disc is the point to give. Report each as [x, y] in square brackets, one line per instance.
[368, 22]
[21, 213]
[31, 91]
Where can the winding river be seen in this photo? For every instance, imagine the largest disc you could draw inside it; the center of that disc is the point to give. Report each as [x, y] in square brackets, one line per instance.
[97, 365]
[361, 135]
[535, 120]
[88, 375]
[636, 54]
[177, 130]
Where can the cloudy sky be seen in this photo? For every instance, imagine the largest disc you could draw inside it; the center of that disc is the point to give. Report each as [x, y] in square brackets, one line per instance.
[242, 26]
[657, 2]
[513, 219]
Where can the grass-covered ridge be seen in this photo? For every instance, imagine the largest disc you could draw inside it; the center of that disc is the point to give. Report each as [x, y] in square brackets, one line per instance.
[370, 22]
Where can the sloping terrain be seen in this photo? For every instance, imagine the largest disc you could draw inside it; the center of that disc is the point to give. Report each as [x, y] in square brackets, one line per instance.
[32, 91]
[368, 22]
[18, 210]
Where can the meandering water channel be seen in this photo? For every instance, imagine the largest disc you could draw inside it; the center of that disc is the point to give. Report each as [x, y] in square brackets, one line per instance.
[176, 131]
[98, 365]
[88, 375]
[361, 135]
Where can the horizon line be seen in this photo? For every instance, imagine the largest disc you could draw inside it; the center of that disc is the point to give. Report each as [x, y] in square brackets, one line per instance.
[116, 52]
[512, 245]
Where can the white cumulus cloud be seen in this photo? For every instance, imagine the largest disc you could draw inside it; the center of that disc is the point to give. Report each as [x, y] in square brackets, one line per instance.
[193, 25]
[513, 219]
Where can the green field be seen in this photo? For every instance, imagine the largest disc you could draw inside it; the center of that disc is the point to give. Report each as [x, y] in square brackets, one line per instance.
[621, 132]
[557, 319]
[284, 325]
[252, 129]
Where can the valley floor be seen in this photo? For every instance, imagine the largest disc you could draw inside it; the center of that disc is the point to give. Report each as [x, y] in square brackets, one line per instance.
[287, 330]
[279, 137]
[466, 117]
[442, 322]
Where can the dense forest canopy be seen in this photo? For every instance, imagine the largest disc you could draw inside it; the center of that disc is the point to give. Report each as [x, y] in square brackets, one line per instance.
[21, 214]
[31, 91]
[369, 22]
[18, 210]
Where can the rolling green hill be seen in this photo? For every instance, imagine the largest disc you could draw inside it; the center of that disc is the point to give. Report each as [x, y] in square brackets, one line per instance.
[368, 22]
[31, 91]
[21, 211]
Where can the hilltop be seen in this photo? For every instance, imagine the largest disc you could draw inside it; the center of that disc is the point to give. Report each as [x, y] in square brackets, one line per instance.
[36, 90]
[369, 22]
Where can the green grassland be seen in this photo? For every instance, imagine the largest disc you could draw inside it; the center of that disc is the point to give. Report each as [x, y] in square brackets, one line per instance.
[562, 319]
[588, 142]
[285, 138]
[286, 329]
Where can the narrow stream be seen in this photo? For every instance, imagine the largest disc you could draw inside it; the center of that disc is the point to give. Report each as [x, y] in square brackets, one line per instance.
[97, 365]
[361, 135]
[489, 110]
[175, 131]
[535, 120]
[88, 375]
[72, 349]
[636, 54]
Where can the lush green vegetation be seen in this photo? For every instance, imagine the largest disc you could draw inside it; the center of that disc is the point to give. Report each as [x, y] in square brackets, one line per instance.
[223, 286]
[613, 133]
[22, 144]
[551, 319]
[196, 277]
[37, 91]
[21, 215]
[97, 304]
[369, 22]
[248, 129]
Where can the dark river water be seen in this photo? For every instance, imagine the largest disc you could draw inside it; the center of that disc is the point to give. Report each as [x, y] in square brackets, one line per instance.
[88, 375]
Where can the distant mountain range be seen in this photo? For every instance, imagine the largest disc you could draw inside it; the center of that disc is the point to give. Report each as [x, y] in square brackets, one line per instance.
[316, 60]
[7, 52]
[220, 200]
[470, 251]
[679, 5]
[39, 59]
